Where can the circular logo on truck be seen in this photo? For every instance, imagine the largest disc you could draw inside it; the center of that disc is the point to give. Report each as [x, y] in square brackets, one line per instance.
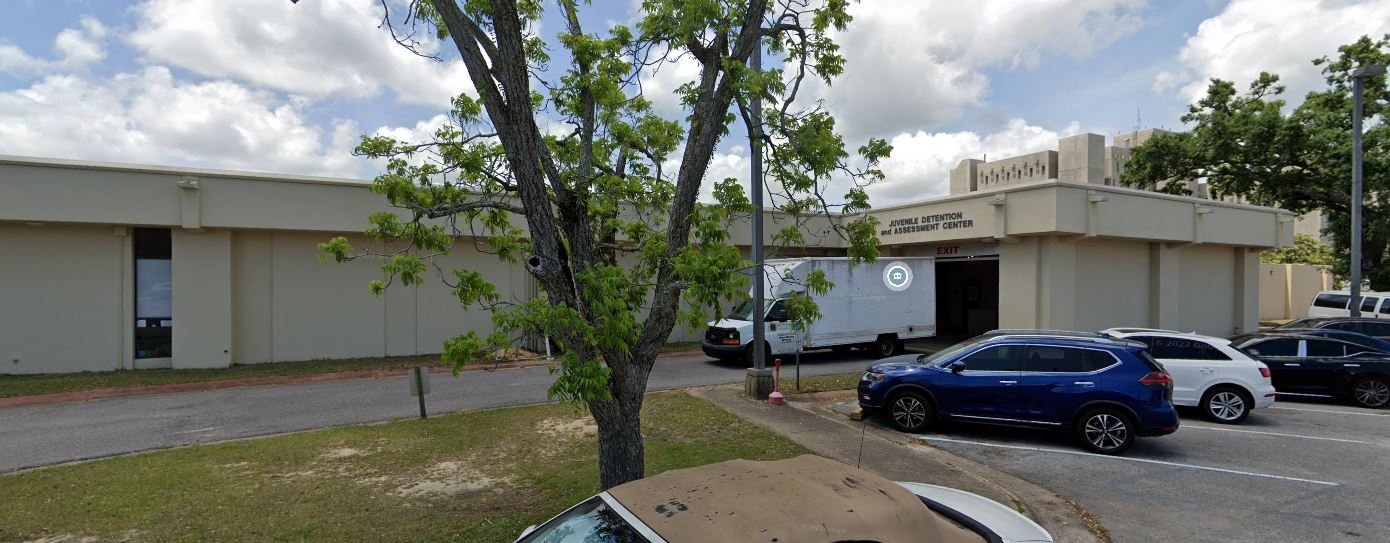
[897, 276]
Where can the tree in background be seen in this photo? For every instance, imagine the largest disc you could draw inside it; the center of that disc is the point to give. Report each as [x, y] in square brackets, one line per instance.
[604, 214]
[1306, 249]
[1249, 145]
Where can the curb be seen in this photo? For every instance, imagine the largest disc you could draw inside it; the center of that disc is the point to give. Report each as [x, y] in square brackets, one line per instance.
[306, 378]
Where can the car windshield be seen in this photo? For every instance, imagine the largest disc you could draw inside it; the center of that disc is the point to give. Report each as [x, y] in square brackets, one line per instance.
[744, 310]
[589, 522]
[948, 352]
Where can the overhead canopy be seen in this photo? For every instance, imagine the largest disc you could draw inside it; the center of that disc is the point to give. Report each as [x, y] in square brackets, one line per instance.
[807, 498]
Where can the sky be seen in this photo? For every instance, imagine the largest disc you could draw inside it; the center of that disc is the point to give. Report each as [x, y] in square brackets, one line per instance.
[267, 85]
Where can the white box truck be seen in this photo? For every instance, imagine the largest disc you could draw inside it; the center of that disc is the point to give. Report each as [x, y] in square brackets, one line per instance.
[873, 305]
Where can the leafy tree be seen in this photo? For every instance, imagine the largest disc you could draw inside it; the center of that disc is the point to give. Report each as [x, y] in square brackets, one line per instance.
[605, 215]
[1306, 249]
[1299, 159]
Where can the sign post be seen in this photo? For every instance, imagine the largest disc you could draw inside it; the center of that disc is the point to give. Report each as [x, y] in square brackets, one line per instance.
[420, 386]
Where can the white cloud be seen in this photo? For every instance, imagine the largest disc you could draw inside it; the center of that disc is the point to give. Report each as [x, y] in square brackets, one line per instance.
[75, 49]
[319, 49]
[150, 116]
[913, 63]
[1277, 36]
[660, 86]
[921, 162]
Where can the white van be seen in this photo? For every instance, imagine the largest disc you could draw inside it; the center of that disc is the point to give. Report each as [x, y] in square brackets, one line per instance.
[874, 305]
[1333, 303]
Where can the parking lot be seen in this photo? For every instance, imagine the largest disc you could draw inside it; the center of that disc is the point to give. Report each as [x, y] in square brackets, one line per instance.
[1300, 471]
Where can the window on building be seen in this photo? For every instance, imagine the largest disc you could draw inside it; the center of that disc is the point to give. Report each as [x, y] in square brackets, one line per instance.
[154, 313]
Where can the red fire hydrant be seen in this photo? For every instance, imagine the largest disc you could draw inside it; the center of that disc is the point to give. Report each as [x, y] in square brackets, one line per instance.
[776, 397]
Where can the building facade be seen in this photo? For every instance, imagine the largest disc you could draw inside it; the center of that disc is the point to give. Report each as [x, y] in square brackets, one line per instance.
[1086, 158]
[117, 266]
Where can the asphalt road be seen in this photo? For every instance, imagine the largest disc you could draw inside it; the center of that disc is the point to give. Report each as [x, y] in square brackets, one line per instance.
[49, 434]
[1296, 472]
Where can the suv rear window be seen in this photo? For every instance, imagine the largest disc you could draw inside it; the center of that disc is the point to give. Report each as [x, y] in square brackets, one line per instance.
[1332, 301]
[1042, 359]
[1377, 329]
[1184, 349]
[1323, 347]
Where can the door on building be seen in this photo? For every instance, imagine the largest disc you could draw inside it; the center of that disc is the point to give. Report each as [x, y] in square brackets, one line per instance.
[154, 314]
[967, 296]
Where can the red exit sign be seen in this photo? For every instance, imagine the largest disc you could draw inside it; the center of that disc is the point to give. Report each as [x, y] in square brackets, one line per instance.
[954, 249]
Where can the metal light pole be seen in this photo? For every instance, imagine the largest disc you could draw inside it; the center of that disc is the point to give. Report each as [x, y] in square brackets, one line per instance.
[1357, 78]
[759, 381]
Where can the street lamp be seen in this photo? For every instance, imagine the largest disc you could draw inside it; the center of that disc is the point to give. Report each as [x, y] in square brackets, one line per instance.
[1358, 77]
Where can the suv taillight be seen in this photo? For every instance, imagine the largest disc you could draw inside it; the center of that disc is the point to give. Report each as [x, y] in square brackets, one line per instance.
[1157, 379]
[1264, 372]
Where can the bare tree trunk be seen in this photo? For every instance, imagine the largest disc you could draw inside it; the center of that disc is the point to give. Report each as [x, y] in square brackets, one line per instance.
[621, 452]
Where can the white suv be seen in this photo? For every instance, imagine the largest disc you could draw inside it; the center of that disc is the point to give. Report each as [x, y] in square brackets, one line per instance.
[1207, 373]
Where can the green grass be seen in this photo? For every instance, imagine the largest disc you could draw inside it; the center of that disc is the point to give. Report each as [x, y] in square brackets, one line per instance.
[820, 383]
[48, 383]
[509, 468]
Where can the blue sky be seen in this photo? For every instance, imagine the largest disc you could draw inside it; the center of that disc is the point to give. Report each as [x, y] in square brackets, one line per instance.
[270, 86]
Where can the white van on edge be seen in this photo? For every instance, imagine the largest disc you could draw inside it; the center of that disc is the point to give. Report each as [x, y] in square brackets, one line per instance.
[1333, 303]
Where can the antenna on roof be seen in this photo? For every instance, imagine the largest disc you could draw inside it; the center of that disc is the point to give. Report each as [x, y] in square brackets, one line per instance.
[1138, 119]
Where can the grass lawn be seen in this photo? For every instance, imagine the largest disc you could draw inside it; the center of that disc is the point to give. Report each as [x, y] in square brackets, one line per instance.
[820, 383]
[47, 383]
[472, 476]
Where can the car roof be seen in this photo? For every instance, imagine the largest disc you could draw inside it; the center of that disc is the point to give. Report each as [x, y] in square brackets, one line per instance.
[1127, 332]
[807, 498]
[1061, 336]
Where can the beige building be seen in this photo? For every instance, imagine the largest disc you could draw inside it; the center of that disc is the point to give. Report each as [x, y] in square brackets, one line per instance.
[117, 266]
[1083, 158]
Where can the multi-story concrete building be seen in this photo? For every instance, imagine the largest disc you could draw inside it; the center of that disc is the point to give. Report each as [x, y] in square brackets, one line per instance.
[1084, 158]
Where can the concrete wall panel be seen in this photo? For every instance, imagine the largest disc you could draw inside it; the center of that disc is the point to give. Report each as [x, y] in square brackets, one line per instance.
[1112, 285]
[1208, 290]
[253, 297]
[202, 298]
[322, 309]
[60, 291]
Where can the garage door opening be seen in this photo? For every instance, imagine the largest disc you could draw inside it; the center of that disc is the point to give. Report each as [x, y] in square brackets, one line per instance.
[967, 297]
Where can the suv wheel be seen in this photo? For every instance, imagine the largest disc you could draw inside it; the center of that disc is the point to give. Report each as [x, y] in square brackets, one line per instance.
[909, 412]
[1105, 431]
[887, 345]
[1371, 392]
[1226, 405]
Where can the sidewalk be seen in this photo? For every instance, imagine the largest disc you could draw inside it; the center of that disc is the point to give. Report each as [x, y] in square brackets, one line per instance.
[303, 378]
[810, 422]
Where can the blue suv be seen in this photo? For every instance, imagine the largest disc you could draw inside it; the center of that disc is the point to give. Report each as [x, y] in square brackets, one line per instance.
[1104, 390]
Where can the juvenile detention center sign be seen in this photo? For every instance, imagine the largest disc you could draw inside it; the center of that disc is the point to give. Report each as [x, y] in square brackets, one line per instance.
[927, 223]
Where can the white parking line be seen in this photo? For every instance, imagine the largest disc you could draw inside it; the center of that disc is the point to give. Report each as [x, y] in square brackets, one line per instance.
[1131, 459]
[1186, 426]
[1335, 411]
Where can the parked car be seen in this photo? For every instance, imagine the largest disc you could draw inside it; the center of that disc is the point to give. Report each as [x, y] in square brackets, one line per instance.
[1336, 303]
[1106, 391]
[1354, 337]
[1208, 373]
[1321, 367]
[811, 499]
[1376, 328]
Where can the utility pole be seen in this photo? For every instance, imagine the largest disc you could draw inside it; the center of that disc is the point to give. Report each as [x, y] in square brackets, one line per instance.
[758, 383]
[1357, 82]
